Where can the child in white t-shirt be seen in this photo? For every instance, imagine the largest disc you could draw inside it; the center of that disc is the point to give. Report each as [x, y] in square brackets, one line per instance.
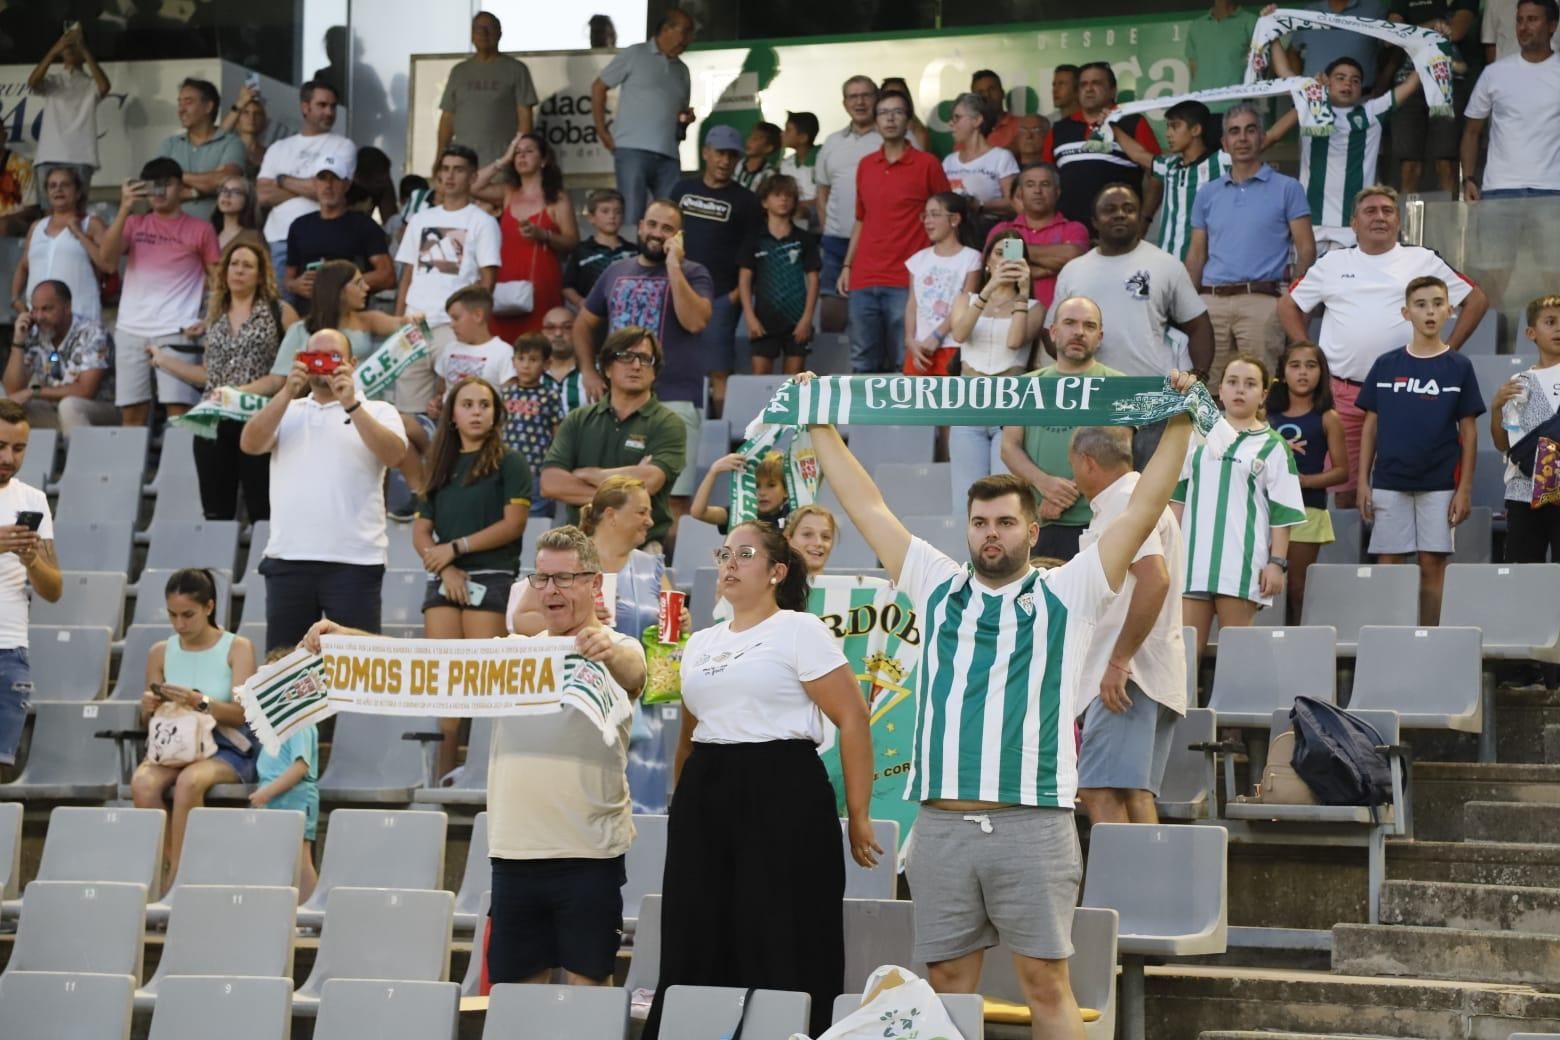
[476, 351]
[939, 274]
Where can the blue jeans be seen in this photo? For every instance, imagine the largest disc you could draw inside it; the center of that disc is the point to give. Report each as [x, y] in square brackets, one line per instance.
[877, 328]
[973, 452]
[16, 691]
[641, 177]
[833, 249]
[718, 341]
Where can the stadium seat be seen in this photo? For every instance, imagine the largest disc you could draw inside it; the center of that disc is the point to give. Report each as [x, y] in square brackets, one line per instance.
[1349, 597]
[236, 847]
[597, 1012]
[1489, 481]
[397, 934]
[254, 605]
[1168, 885]
[65, 760]
[174, 506]
[476, 880]
[874, 446]
[1193, 664]
[401, 554]
[373, 848]
[916, 487]
[98, 494]
[38, 464]
[645, 865]
[1261, 669]
[175, 462]
[829, 354]
[351, 1009]
[254, 631]
[53, 1005]
[1091, 970]
[746, 396]
[139, 640]
[259, 535]
[10, 849]
[470, 787]
[881, 881]
[200, 543]
[151, 604]
[193, 1007]
[851, 550]
[1347, 533]
[471, 985]
[967, 1010]
[1429, 676]
[1491, 370]
[80, 926]
[714, 442]
[90, 598]
[1472, 542]
[701, 599]
[90, 844]
[1274, 615]
[226, 930]
[69, 663]
[1484, 338]
[696, 541]
[644, 966]
[711, 1012]
[1188, 789]
[369, 762]
[403, 593]
[878, 932]
[947, 534]
[99, 450]
[533, 531]
[95, 545]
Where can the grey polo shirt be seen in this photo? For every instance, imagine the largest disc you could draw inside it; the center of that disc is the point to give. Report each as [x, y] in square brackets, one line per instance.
[654, 89]
[221, 149]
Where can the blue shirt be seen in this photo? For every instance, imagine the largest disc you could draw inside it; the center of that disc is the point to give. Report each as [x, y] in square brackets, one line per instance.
[1321, 47]
[304, 744]
[654, 89]
[1248, 225]
[1418, 402]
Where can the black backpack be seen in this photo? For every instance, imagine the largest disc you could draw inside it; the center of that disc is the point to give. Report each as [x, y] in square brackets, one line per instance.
[1335, 754]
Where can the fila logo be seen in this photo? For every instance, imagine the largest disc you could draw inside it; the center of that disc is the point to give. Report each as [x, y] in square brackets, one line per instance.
[1423, 387]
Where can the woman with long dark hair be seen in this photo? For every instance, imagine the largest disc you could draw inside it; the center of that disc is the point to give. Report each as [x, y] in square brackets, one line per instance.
[469, 524]
[537, 227]
[755, 692]
[236, 212]
[341, 296]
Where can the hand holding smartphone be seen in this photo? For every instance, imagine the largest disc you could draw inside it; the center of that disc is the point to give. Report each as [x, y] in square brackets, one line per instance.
[30, 519]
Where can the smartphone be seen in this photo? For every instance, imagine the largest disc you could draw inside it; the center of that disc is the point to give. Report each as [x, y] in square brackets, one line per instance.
[252, 81]
[30, 519]
[320, 362]
[1012, 249]
[314, 266]
[157, 689]
[72, 26]
[476, 592]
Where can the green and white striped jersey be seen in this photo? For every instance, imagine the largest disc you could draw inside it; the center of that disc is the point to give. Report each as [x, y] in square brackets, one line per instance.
[1237, 486]
[1334, 168]
[998, 677]
[1181, 184]
[571, 389]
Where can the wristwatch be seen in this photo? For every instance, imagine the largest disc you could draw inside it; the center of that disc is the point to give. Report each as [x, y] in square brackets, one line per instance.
[205, 705]
[1280, 562]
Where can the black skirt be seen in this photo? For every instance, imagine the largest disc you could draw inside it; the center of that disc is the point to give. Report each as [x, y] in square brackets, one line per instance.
[755, 878]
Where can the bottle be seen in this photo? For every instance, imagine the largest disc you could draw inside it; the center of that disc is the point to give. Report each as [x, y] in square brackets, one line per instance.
[1511, 411]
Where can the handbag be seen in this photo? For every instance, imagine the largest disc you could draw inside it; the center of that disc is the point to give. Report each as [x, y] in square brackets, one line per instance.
[516, 299]
[179, 736]
[1281, 785]
[895, 1002]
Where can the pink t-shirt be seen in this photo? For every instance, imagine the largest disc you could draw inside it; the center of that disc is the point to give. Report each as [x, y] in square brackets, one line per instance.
[165, 272]
[1060, 231]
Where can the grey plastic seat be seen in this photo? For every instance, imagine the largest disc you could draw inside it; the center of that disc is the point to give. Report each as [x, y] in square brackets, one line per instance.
[10, 849]
[1274, 615]
[371, 763]
[99, 494]
[54, 1005]
[696, 542]
[644, 966]
[877, 932]
[711, 1012]
[471, 985]
[967, 1010]
[175, 504]
[909, 487]
[881, 881]
[1491, 370]
[254, 610]
[376, 848]
[202, 931]
[714, 441]
[139, 640]
[100, 544]
[236, 847]
[66, 761]
[1473, 541]
[189, 1007]
[1516, 605]
[1188, 789]
[477, 879]
[644, 865]
[557, 1012]
[401, 554]
[91, 844]
[80, 926]
[151, 605]
[1349, 597]
[1091, 970]
[402, 600]
[37, 468]
[399, 934]
[91, 598]
[96, 450]
[1489, 480]
[1345, 546]
[1429, 676]
[384, 1009]
[1261, 669]
[199, 543]
[259, 535]
[851, 550]
[69, 662]
[470, 788]
[947, 534]
[746, 396]
[176, 462]
[874, 446]
[254, 631]
[1193, 664]
[1485, 338]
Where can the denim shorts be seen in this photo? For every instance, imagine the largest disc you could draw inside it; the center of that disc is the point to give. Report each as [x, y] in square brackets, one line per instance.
[495, 600]
[16, 691]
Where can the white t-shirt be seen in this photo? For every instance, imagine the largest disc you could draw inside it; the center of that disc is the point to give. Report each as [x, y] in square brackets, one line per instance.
[1364, 298]
[493, 361]
[327, 488]
[555, 789]
[1159, 666]
[835, 169]
[69, 130]
[299, 156]
[1140, 293]
[17, 497]
[1521, 99]
[461, 241]
[746, 687]
[980, 178]
[1500, 28]
[937, 281]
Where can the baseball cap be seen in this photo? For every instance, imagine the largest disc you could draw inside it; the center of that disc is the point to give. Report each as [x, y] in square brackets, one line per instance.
[343, 168]
[724, 139]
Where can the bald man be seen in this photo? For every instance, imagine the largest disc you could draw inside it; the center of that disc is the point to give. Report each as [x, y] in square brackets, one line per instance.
[329, 451]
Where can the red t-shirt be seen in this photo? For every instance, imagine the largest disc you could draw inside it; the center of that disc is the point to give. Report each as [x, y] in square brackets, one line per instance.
[1005, 132]
[889, 199]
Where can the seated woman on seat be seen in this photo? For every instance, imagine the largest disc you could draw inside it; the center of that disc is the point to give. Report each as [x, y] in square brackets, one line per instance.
[196, 670]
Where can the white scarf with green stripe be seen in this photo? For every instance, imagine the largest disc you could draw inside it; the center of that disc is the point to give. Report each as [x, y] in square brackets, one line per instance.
[1309, 96]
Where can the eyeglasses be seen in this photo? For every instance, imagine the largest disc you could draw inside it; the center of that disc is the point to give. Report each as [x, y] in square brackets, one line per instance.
[636, 359]
[562, 579]
[724, 555]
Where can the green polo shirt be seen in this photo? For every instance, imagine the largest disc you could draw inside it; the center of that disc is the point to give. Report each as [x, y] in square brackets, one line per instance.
[1220, 47]
[594, 436]
[1047, 447]
[223, 148]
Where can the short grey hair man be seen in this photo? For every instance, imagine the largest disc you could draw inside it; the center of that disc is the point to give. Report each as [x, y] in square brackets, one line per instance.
[569, 538]
[1245, 108]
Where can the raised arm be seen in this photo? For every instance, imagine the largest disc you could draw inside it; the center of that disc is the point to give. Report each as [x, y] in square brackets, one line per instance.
[1126, 534]
[862, 500]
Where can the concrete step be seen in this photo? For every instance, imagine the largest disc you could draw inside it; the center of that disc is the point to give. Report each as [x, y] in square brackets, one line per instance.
[1447, 953]
[1552, 743]
[1443, 904]
[1531, 823]
[1521, 717]
[1185, 1001]
[1441, 789]
[1475, 863]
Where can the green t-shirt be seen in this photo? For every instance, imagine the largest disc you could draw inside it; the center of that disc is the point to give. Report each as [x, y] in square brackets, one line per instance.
[594, 436]
[459, 509]
[1047, 447]
[1219, 48]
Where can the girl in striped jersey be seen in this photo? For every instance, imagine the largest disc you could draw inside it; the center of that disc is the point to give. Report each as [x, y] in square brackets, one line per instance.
[1239, 494]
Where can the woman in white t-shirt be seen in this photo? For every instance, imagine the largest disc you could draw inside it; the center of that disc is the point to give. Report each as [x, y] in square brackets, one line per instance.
[975, 167]
[753, 834]
[939, 275]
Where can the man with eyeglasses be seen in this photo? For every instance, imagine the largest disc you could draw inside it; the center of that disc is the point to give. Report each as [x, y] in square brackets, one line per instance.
[562, 371]
[892, 186]
[834, 176]
[626, 432]
[60, 365]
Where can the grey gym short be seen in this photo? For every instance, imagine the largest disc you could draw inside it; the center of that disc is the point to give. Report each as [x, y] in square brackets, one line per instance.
[1001, 875]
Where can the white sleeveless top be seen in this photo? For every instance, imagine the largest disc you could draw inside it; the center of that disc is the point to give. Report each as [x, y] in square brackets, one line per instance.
[985, 352]
[63, 258]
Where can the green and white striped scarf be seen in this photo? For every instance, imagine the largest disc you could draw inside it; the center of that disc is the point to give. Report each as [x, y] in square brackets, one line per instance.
[801, 473]
[1309, 96]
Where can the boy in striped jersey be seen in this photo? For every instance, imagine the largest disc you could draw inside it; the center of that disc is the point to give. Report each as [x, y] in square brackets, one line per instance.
[1189, 162]
[993, 761]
